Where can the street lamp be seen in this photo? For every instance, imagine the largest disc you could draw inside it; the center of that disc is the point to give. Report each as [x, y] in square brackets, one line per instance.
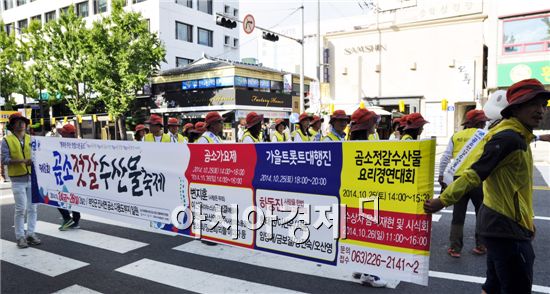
[230, 22]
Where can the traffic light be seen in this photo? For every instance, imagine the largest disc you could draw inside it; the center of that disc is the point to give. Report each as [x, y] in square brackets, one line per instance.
[270, 37]
[226, 22]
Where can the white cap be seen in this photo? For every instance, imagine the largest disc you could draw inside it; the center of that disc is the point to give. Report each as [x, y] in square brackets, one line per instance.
[496, 103]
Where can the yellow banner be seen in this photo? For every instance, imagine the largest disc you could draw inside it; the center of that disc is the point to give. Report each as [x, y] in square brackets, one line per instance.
[5, 114]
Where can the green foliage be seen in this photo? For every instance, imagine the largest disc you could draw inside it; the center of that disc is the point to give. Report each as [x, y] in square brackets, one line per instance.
[8, 65]
[125, 56]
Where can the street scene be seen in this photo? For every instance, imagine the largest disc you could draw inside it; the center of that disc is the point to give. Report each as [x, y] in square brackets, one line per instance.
[311, 146]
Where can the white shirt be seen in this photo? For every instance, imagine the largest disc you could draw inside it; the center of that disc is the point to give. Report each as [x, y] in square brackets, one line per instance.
[158, 139]
[248, 139]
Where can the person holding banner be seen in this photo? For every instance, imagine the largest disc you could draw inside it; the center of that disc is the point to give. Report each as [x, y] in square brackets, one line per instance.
[362, 125]
[68, 131]
[16, 154]
[214, 129]
[173, 128]
[414, 126]
[505, 220]
[253, 128]
[157, 133]
[301, 134]
[139, 133]
[315, 128]
[186, 130]
[339, 120]
[475, 120]
[279, 133]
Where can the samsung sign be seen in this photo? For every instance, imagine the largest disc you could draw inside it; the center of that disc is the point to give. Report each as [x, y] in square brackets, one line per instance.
[364, 49]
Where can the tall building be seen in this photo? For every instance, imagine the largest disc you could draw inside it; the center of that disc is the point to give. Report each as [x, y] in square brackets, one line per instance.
[186, 27]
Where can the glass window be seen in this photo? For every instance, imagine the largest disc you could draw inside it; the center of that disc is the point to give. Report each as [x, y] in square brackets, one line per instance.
[9, 28]
[138, 1]
[8, 4]
[227, 40]
[49, 16]
[22, 24]
[226, 9]
[235, 12]
[188, 3]
[37, 17]
[205, 37]
[235, 42]
[82, 9]
[21, 2]
[181, 61]
[63, 10]
[184, 31]
[100, 6]
[526, 35]
[205, 6]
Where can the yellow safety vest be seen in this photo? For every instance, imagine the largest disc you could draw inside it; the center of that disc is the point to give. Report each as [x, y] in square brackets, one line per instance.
[332, 137]
[208, 138]
[373, 137]
[181, 138]
[280, 137]
[19, 152]
[302, 136]
[150, 138]
[248, 134]
[459, 140]
[407, 137]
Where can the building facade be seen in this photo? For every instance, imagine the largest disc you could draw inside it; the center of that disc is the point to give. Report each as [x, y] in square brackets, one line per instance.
[186, 27]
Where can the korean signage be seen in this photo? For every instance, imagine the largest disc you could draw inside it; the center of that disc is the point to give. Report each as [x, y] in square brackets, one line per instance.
[356, 206]
[510, 73]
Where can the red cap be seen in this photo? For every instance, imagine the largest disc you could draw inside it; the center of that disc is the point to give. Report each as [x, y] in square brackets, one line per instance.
[362, 119]
[200, 127]
[279, 121]
[139, 127]
[339, 114]
[18, 115]
[474, 117]
[524, 91]
[415, 121]
[396, 120]
[67, 129]
[316, 119]
[172, 121]
[403, 120]
[303, 116]
[188, 126]
[253, 119]
[155, 119]
[212, 117]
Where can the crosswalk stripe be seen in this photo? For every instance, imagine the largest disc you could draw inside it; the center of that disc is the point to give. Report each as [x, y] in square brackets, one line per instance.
[272, 261]
[103, 241]
[436, 217]
[76, 289]
[106, 221]
[46, 263]
[194, 280]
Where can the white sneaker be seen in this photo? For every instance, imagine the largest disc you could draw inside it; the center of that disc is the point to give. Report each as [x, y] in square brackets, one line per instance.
[373, 281]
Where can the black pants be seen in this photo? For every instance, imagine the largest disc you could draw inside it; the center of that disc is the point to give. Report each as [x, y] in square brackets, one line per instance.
[459, 216]
[67, 215]
[509, 266]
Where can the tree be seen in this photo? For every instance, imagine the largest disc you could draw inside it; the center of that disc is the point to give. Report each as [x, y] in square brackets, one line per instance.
[66, 60]
[126, 55]
[8, 64]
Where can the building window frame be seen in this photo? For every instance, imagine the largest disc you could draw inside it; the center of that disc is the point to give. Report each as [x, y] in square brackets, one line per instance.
[8, 4]
[48, 16]
[236, 42]
[181, 61]
[235, 12]
[100, 6]
[210, 37]
[24, 22]
[37, 17]
[20, 2]
[523, 47]
[189, 37]
[201, 6]
[80, 11]
[186, 3]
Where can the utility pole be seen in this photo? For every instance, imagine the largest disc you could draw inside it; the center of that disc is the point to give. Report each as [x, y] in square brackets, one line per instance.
[302, 65]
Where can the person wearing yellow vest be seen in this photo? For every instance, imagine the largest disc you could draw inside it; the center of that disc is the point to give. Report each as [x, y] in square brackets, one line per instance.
[16, 154]
[214, 129]
[253, 128]
[374, 135]
[173, 128]
[315, 128]
[157, 134]
[301, 134]
[362, 124]
[414, 126]
[475, 119]
[339, 120]
[186, 130]
[279, 133]
[506, 218]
